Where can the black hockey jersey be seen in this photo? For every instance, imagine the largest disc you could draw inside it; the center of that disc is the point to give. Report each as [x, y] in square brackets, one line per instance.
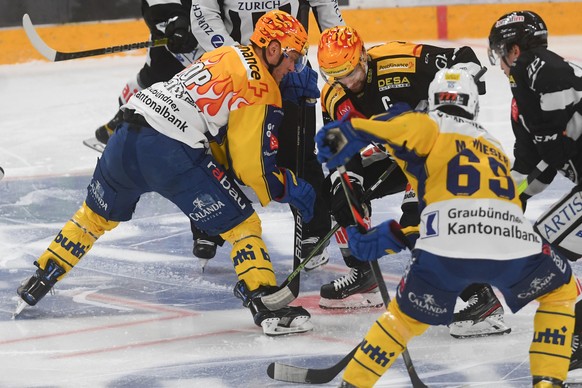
[397, 72]
[546, 115]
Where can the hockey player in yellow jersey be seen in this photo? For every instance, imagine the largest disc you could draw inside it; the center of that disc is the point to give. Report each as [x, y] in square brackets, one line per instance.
[231, 95]
[472, 230]
[217, 23]
[361, 83]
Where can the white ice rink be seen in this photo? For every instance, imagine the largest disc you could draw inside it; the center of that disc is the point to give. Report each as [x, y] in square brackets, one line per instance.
[138, 311]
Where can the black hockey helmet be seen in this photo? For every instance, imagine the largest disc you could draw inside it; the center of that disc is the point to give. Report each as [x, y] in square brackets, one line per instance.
[524, 28]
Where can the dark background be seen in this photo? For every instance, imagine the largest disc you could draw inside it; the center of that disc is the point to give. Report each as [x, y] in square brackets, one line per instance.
[70, 11]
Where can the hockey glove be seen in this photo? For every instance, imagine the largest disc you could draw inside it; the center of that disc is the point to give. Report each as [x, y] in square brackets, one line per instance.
[340, 209]
[180, 39]
[377, 242]
[299, 194]
[300, 86]
[337, 142]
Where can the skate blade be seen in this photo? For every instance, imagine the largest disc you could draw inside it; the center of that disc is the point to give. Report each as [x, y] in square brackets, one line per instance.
[317, 261]
[271, 327]
[203, 263]
[94, 144]
[19, 307]
[356, 301]
[492, 325]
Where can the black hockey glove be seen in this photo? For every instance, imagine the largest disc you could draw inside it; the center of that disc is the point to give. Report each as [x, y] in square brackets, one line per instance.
[180, 39]
[340, 208]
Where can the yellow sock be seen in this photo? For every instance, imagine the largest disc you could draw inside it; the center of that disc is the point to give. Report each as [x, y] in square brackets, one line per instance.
[249, 254]
[384, 342]
[76, 239]
[550, 349]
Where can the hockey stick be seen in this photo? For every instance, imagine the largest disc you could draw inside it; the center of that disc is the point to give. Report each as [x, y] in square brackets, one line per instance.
[356, 208]
[284, 295]
[57, 56]
[532, 176]
[295, 374]
[299, 162]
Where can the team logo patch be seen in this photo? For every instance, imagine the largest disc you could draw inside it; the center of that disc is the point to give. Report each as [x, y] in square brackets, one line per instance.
[509, 20]
[550, 336]
[74, 247]
[205, 208]
[217, 41]
[399, 65]
[248, 254]
[97, 192]
[430, 223]
[426, 304]
[537, 287]
[376, 354]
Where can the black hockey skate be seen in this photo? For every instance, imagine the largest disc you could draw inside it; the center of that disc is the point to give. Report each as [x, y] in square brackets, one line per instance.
[39, 284]
[321, 256]
[104, 132]
[204, 249]
[357, 289]
[288, 320]
[482, 317]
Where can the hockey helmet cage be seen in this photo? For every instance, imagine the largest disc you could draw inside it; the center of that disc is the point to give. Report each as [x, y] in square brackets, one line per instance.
[524, 28]
[287, 30]
[454, 87]
[340, 51]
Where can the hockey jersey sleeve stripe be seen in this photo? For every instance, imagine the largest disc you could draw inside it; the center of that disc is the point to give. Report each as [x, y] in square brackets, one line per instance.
[559, 100]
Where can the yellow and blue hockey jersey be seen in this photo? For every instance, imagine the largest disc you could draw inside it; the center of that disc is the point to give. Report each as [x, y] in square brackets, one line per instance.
[229, 96]
[461, 175]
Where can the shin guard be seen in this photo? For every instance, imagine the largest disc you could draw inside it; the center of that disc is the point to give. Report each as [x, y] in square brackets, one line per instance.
[384, 342]
[553, 328]
[249, 254]
[75, 239]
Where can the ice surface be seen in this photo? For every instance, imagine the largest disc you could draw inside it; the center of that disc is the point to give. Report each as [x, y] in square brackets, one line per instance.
[137, 311]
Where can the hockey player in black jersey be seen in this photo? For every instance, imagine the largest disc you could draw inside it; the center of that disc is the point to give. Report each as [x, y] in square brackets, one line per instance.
[545, 115]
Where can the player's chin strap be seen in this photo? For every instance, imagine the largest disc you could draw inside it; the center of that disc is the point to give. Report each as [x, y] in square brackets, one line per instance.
[271, 67]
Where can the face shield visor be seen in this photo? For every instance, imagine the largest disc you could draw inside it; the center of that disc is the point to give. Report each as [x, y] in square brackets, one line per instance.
[349, 77]
[495, 53]
[300, 60]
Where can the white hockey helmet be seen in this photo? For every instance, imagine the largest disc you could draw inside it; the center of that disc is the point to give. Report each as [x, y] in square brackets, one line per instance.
[454, 87]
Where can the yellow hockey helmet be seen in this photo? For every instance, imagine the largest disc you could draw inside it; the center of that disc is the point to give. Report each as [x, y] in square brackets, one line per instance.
[284, 28]
[340, 50]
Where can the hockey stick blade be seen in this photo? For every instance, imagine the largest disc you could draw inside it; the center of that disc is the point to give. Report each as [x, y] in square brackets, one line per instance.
[295, 374]
[56, 56]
